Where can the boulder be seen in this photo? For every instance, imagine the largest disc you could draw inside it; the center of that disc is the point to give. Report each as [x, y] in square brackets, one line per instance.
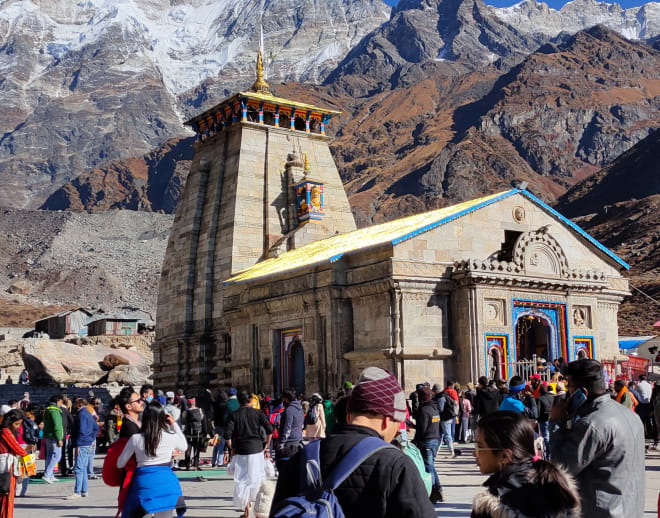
[52, 361]
[112, 360]
[21, 287]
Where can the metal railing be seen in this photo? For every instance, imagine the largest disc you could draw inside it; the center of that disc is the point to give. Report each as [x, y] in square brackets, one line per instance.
[526, 368]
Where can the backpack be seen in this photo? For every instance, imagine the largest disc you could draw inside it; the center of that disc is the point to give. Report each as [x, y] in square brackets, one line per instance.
[274, 419]
[448, 407]
[312, 416]
[29, 435]
[317, 498]
[194, 417]
[415, 455]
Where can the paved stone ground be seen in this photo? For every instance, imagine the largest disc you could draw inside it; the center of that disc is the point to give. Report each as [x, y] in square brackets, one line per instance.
[460, 477]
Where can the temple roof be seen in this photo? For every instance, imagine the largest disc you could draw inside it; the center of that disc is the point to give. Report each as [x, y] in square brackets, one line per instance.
[333, 248]
[265, 98]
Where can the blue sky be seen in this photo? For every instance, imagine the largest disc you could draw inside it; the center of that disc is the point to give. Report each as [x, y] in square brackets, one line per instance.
[552, 3]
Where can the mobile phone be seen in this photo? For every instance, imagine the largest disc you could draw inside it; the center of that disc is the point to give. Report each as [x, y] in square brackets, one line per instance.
[577, 400]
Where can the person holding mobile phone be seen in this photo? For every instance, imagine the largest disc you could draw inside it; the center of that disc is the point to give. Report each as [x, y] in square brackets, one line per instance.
[600, 443]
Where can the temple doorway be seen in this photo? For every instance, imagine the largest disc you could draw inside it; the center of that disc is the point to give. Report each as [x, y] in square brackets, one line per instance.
[495, 365]
[297, 367]
[532, 338]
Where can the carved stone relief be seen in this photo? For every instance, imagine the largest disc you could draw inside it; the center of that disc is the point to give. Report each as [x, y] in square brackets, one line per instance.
[582, 316]
[518, 214]
[494, 311]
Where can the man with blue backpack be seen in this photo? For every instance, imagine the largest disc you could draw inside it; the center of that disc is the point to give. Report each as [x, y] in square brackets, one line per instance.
[355, 472]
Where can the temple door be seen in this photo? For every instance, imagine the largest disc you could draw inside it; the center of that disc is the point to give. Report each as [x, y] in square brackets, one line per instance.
[298, 368]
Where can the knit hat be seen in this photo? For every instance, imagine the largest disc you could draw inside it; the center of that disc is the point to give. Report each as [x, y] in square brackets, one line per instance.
[436, 388]
[191, 400]
[233, 391]
[378, 392]
[425, 394]
[348, 385]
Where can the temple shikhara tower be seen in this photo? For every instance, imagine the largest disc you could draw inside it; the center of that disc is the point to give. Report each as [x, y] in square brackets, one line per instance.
[268, 285]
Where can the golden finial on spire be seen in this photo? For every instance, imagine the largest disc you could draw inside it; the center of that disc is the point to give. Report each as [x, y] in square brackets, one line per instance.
[260, 85]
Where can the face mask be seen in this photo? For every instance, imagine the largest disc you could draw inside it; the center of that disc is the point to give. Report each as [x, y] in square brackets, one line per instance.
[150, 399]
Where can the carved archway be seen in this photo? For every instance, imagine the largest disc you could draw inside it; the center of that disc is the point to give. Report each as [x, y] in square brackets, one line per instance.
[537, 252]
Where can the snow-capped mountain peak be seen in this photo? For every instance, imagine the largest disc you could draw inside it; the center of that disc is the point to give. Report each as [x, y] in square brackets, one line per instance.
[533, 16]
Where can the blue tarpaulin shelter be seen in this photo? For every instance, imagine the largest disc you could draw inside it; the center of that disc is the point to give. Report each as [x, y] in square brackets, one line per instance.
[632, 342]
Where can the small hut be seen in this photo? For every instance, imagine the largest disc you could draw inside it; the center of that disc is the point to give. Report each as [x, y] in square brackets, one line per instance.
[70, 322]
[114, 325]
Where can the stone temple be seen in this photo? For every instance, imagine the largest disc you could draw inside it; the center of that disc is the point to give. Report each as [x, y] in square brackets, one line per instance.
[267, 284]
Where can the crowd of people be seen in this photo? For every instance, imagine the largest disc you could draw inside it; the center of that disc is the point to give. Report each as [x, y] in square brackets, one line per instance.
[565, 448]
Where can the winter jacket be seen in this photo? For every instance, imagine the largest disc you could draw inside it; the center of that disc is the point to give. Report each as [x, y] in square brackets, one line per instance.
[386, 485]
[544, 403]
[291, 423]
[67, 421]
[604, 450]
[427, 425]
[53, 423]
[220, 414]
[329, 410]
[244, 430]
[487, 401]
[525, 406]
[85, 429]
[466, 408]
[232, 405]
[516, 492]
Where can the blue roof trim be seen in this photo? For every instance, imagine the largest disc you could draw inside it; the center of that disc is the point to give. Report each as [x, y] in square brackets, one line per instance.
[457, 215]
[577, 229]
[336, 258]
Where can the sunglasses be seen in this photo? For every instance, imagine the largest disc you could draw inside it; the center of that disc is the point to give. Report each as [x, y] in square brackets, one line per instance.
[136, 401]
[477, 449]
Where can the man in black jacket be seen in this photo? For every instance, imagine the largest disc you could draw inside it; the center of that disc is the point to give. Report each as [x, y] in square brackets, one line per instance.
[387, 484]
[488, 398]
[67, 448]
[544, 403]
[244, 438]
[427, 438]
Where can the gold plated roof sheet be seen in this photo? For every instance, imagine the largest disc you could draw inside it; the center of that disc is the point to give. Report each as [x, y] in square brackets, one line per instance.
[266, 98]
[332, 248]
[281, 100]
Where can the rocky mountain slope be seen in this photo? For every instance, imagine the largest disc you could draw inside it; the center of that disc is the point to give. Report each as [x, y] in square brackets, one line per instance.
[562, 113]
[110, 260]
[620, 205]
[441, 136]
[84, 83]
[153, 182]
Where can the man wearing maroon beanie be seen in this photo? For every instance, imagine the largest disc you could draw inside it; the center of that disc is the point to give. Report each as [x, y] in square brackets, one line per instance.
[387, 483]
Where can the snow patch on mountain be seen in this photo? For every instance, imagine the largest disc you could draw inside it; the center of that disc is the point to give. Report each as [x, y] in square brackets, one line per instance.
[189, 41]
[533, 16]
